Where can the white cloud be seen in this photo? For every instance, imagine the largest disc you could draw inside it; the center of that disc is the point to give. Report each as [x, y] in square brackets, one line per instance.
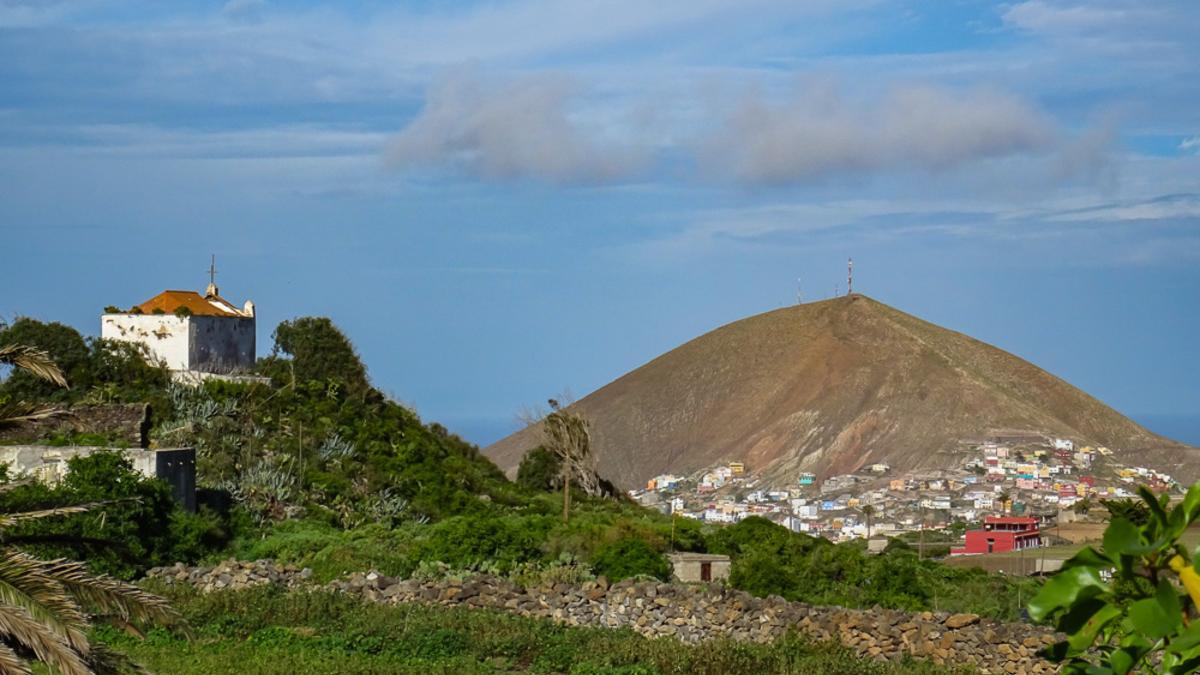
[512, 129]
[1043, 16]
[25, 13]
[1191, 144]
[243, 10]
[817, 132]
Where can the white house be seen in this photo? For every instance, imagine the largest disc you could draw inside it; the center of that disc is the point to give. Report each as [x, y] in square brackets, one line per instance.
[189, 332]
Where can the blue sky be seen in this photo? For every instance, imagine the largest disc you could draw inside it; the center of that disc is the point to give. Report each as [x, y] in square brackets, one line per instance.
[501, 201]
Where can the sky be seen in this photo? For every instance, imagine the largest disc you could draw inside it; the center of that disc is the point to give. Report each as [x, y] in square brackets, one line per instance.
[503, 201]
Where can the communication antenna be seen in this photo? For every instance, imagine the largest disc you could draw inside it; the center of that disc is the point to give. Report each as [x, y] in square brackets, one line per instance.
[850, 276]
[799, 293]
[836, 290]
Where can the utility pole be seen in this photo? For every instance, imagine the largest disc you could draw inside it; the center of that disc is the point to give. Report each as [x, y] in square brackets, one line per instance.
[921, 550]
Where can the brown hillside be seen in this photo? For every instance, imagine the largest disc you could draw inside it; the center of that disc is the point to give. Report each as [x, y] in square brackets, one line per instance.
[829, 387]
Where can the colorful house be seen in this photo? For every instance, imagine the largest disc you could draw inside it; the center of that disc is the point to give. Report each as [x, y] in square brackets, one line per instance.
[1001, 534]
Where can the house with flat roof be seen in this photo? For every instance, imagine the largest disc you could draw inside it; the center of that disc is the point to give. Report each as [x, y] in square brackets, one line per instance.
[1000, 534]
[699, 567]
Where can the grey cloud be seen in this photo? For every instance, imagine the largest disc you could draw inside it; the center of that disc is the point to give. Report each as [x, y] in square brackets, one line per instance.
[818, 133]
[515, 129]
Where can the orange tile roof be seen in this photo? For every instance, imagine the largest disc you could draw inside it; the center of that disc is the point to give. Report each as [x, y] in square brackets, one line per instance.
[169, 301]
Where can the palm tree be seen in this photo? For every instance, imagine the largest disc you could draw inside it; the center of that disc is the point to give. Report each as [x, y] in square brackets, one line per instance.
[38, 363]
[47, 606]
[868, 511]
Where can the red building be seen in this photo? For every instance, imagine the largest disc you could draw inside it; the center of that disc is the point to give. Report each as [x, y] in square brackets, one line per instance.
[1001, 534]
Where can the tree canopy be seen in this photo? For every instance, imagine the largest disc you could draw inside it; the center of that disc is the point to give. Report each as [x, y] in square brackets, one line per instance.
[314, 349]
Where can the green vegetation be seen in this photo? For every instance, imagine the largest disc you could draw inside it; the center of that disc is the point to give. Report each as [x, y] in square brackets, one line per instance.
[1133, 605]
[266, 630]
[770, 560]
[135, 523]
[631, 558]
[320, 469]
[47, 606]
[98, 371]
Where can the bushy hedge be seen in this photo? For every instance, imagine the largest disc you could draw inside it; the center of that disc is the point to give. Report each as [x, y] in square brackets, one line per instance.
[626, 558]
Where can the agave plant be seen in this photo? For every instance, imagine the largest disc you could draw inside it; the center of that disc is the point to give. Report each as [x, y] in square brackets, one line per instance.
[46, 606]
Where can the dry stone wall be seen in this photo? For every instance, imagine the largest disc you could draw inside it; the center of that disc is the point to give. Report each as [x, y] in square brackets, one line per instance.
[690, 613]
[127, 423]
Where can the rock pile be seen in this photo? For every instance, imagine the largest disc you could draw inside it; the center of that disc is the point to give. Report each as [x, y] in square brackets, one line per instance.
[233, 574]
[689, 613]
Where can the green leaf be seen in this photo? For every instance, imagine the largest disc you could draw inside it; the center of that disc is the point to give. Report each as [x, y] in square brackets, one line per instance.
[1081, 634]
[1064, 589]
[1120, 536]
[1191, 502]
[1150, 619]
[1191, 665]
[1177, 522]
[1168, 597]
[1156, 509]
[1089, 557]
[1186, 640]
[1121, 661]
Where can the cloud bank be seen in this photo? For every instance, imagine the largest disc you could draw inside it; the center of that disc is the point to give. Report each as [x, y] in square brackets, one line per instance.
[536, 127]
[817, 133]
[512, 129]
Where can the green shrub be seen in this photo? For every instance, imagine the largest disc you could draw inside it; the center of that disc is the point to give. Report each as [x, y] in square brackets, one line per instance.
[626, 558]
[540, 469]
[145, 527]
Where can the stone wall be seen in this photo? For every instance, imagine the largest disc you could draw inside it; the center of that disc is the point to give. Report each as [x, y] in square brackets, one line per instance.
[128, 423]
[690, 613]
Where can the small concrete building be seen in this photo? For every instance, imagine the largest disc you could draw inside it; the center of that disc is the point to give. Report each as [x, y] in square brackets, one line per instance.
[699, 567]
[189, 332]
[175, 466]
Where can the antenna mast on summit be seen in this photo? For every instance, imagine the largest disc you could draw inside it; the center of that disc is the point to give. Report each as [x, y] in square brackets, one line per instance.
[850, 276]
[799, 293]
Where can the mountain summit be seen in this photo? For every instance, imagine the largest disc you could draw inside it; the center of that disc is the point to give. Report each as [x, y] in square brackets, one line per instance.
[830, 387]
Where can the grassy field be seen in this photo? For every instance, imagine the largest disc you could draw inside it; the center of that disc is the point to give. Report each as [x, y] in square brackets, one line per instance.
[268, 630]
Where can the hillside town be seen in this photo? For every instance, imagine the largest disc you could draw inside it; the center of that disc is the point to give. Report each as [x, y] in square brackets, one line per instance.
[1008, 477]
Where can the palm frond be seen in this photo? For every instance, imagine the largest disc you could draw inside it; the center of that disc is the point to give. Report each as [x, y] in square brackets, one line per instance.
[34, 360]
[104, 595]
[105, 661]
[11, 662]
[10, 519]
[14, 484]
[17, 625]
[19, 412]
[24, 584]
